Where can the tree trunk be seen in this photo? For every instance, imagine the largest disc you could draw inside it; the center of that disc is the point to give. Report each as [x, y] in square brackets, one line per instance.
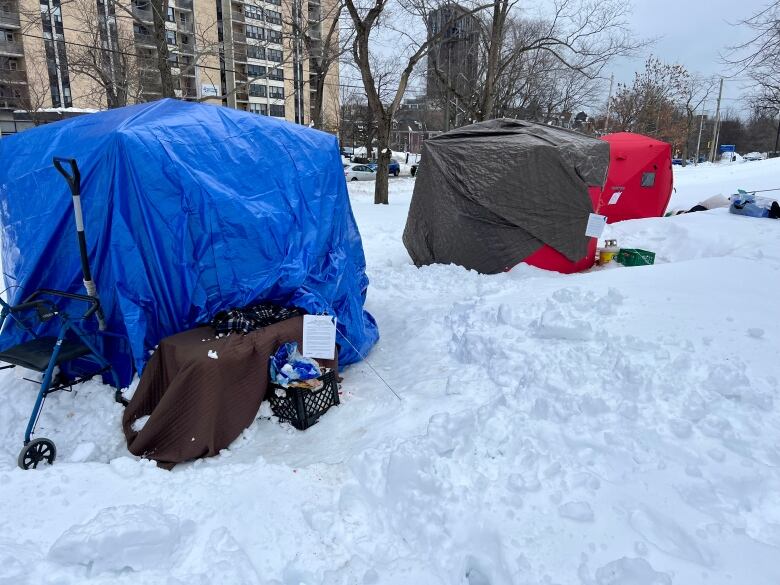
[686, 149]
[485, 111]
[316, 107]
[159, 12]
[383, 162]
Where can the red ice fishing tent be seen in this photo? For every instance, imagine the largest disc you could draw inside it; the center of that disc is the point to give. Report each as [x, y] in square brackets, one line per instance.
[639, 181]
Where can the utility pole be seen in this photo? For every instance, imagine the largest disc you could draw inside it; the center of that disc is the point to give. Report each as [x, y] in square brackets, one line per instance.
[777, 137]
[698, 142]
[716, 128]
[609, 103]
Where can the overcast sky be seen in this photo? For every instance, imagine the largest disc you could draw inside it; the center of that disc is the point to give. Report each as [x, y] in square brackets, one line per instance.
[693, 33]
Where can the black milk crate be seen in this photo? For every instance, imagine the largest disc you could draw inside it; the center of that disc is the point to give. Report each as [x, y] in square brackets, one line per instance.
[302, 407]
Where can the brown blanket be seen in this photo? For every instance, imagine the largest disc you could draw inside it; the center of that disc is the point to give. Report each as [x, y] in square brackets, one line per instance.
[198, 404]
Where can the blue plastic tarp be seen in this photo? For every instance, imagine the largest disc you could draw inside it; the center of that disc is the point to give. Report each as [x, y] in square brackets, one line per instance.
[189, 209]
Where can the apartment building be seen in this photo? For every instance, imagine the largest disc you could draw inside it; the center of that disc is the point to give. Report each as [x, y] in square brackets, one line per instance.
[13, 76]
[245, 54]
[265, 60]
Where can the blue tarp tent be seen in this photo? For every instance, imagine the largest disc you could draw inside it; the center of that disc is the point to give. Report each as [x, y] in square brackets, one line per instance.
[189, 209]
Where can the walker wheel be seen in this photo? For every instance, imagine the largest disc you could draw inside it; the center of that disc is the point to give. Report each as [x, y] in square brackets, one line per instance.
[35, 452]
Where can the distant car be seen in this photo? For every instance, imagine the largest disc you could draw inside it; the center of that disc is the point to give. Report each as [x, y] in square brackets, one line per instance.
[677, 161]
[754, 156]
[394, 167]
[357, 172]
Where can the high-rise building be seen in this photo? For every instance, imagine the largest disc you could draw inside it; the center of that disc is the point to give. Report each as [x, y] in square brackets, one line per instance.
[13, 76]
[453, 60]
[245, 54]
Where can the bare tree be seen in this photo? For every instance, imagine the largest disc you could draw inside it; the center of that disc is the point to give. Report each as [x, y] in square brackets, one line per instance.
[662, 102]
[36, 96]
[366, 20]
[759, 57]
[324, 44]
[540, 67]
[694, 90]
[159, 9]
[105, 55]
[646, 104]
[582, 35]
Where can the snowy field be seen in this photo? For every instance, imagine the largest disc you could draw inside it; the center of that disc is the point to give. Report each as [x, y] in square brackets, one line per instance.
[617, 427]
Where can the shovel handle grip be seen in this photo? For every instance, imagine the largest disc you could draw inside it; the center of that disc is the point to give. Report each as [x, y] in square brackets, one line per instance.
[74, 177]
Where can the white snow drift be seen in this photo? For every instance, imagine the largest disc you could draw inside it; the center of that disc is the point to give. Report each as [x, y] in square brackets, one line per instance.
[617, 427]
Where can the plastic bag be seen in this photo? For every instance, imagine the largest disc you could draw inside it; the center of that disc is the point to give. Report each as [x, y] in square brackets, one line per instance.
[288, 365]
[744, 203]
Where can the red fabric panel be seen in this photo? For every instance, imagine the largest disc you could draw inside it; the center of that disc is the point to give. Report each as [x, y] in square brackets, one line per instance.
[632, 155]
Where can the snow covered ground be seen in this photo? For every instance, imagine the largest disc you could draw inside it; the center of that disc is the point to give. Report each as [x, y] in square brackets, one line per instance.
[617, 427]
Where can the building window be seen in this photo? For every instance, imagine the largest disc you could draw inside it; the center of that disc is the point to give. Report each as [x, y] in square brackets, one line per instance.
[255, 52]
[170, 17]
[274, 55]
[256, 90]
[170, 36]
[274, 36]
[275, 2]
[185, 39]
[276, 92]
[273, 17]
[253, 12]
[276, 74]
[183, 19]
[277, 110]
[258, 109]
[55, 96]
[255, 70]
[255, 32]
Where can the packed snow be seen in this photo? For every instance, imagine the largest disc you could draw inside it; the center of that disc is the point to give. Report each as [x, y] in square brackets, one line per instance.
[615, 427]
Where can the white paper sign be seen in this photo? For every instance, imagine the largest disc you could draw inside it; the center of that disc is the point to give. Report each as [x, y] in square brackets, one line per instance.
[615, 196]
[596, 224]
[319, 336]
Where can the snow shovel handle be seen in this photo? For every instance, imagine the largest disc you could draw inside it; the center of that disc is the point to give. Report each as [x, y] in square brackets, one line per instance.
[74, 182]
[73, 178]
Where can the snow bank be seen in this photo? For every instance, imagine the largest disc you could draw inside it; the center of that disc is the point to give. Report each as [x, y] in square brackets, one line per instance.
[118, 538]
[617, 427]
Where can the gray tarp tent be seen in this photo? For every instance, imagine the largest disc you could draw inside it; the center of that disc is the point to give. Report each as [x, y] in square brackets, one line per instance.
[489, 195]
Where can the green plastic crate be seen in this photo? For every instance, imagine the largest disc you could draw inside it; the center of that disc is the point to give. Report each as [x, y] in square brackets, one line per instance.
[635, 257]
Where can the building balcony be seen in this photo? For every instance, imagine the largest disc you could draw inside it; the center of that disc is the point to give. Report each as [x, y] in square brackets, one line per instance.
[12, 76]
[242, 96]
[11, 49]
[239, 36]
[184, 5]
[143, 40]
[237, 16]
[9, 20]
[151, 89]
[144, 15]
[13, 103]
